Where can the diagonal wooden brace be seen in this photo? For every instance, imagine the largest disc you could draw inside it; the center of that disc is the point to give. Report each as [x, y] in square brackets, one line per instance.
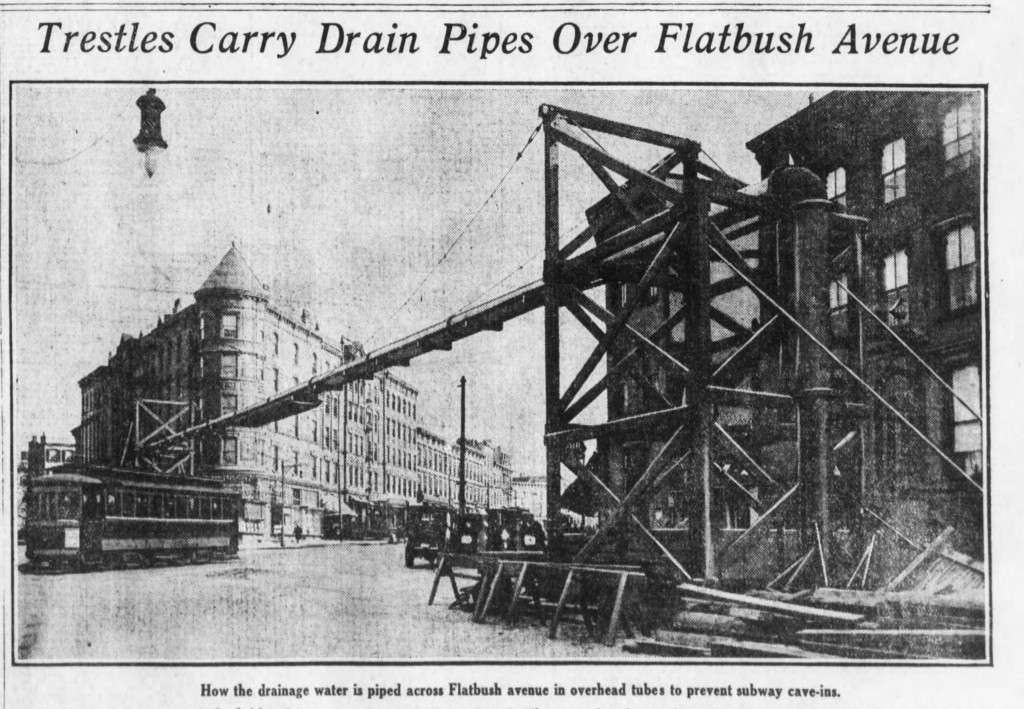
[620, 321]
[651, 474]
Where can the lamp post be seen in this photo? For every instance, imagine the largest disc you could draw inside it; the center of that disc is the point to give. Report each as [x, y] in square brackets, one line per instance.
[150, 142]
[462, 448]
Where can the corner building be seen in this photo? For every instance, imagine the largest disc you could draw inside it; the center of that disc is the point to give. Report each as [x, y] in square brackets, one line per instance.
[233, 348]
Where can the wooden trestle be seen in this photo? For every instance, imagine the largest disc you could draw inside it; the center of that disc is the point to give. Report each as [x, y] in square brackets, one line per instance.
[529, 575]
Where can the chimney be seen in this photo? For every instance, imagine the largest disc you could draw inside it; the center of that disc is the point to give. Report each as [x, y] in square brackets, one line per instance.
[177, 306]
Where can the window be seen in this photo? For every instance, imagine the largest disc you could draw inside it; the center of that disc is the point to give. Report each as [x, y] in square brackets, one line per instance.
[229, 325]
[314, 363]
[277, 380]
[229, 365]
[277, 344]
[295, 354]
[967, 428]
[835, 185]
[229, 451]
[958, 138]
[896, 291]
[961, 267]
[838, 300]
[894, 171]
[296, 496]
[228, 403]
[313, 466]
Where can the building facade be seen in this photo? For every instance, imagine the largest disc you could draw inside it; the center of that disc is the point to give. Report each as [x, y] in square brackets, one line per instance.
[910, 163]
[360, 452]
[904, 171]
[39, 458]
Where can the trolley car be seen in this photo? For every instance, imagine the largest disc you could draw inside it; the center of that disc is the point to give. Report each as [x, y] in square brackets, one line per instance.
[90, 517]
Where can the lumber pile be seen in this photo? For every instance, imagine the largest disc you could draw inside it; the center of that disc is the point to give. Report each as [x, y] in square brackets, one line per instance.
[934, 608]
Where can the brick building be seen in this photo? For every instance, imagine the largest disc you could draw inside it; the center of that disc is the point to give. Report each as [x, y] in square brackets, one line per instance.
[909, 162]
[233, 348]
[905, 166]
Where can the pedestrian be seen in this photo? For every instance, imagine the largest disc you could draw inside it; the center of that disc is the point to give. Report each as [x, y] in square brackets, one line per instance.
[298, 533]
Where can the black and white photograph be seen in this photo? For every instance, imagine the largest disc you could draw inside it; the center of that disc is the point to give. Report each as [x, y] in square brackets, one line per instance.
[455, 372]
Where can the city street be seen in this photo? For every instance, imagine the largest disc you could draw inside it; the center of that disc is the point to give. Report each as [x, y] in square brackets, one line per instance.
[349, 601]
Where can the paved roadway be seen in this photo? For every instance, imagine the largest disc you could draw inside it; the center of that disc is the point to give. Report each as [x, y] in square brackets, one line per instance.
[348, 601]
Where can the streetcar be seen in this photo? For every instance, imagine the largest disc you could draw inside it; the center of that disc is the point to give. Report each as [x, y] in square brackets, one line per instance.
[97, 517]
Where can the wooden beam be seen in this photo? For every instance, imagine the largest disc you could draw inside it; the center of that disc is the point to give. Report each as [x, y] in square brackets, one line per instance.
[729, 323]
[621, 319]
[562, 599]
[655, 185]
[641, 339]
[929, 551]
[584, 471]
[766, 604]
[623, 130]
[651, 226]
[607, 216]
[618, 192]
[661, 461]
[653, 421]
[762, 519]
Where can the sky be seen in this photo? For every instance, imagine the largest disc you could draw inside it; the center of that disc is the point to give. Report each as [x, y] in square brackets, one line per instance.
[344, 199]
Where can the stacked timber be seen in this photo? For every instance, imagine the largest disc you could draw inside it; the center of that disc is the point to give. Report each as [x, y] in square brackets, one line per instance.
[822, 624]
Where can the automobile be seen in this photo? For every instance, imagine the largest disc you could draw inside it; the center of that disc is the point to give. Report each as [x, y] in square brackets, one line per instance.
[427, 531]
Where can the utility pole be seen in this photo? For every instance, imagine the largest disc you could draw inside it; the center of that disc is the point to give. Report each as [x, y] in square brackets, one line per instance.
[462, 448]
[343, 474]
[282, 504]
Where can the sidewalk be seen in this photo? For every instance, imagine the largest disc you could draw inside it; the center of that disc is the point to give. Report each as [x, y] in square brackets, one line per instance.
[249, 543]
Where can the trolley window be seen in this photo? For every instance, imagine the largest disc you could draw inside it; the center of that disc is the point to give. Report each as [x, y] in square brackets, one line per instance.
[215, 507]
[127, 504]
[69, 504]
[113, 504]
[204, 508]
[193, 507]
[141, 505]
[180, 508]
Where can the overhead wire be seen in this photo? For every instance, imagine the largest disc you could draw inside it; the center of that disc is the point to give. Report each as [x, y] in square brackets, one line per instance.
[459, 237]
[88, 147]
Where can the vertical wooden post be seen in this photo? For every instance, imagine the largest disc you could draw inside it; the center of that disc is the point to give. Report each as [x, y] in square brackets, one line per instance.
[697, 301]
[552, 350]
[809, 229]
[866, 463]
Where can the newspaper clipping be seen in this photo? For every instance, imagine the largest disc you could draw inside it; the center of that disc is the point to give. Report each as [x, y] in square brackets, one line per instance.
[511, 355]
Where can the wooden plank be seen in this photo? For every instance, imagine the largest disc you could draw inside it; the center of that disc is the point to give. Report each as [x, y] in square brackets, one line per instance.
[663, 649]
[933, 643]
[441, 566]
[510, 614]
[930, 550]
[455, 590]
[613, 621]
[800, 561]
[485, 580]
[791, 608]
[761, 520]
[557, 617]
[490, 594]
[726, 647]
